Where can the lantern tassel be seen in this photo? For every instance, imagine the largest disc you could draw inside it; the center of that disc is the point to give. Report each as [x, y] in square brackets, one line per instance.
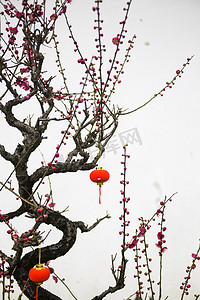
[37, 292]
[99, 194]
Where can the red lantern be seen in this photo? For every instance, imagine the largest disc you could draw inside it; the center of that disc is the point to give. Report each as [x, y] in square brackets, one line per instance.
[99, 176]
[39, 274]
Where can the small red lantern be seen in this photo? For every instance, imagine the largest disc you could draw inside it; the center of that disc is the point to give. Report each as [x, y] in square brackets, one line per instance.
[39, 274]
[99, 176]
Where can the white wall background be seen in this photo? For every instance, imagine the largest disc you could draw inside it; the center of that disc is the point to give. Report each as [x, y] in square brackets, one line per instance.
[167, 161]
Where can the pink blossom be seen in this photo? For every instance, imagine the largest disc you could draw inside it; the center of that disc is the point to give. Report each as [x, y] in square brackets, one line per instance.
[142, 231]
[3, 217]
[160, 235]
[133, 243]
[115, 40]
[159, 212]
[19, 14]
[193, 266]
[53, 17]
[193, 255]
[13, 30]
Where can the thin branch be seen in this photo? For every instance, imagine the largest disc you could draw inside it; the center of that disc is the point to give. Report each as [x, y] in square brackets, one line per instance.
[13, 192]
[85, 228]
[168, 84]
[65, 285]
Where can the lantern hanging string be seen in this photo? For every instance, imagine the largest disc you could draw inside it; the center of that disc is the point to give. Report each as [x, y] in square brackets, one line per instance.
[39, 253]
[100, 194]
